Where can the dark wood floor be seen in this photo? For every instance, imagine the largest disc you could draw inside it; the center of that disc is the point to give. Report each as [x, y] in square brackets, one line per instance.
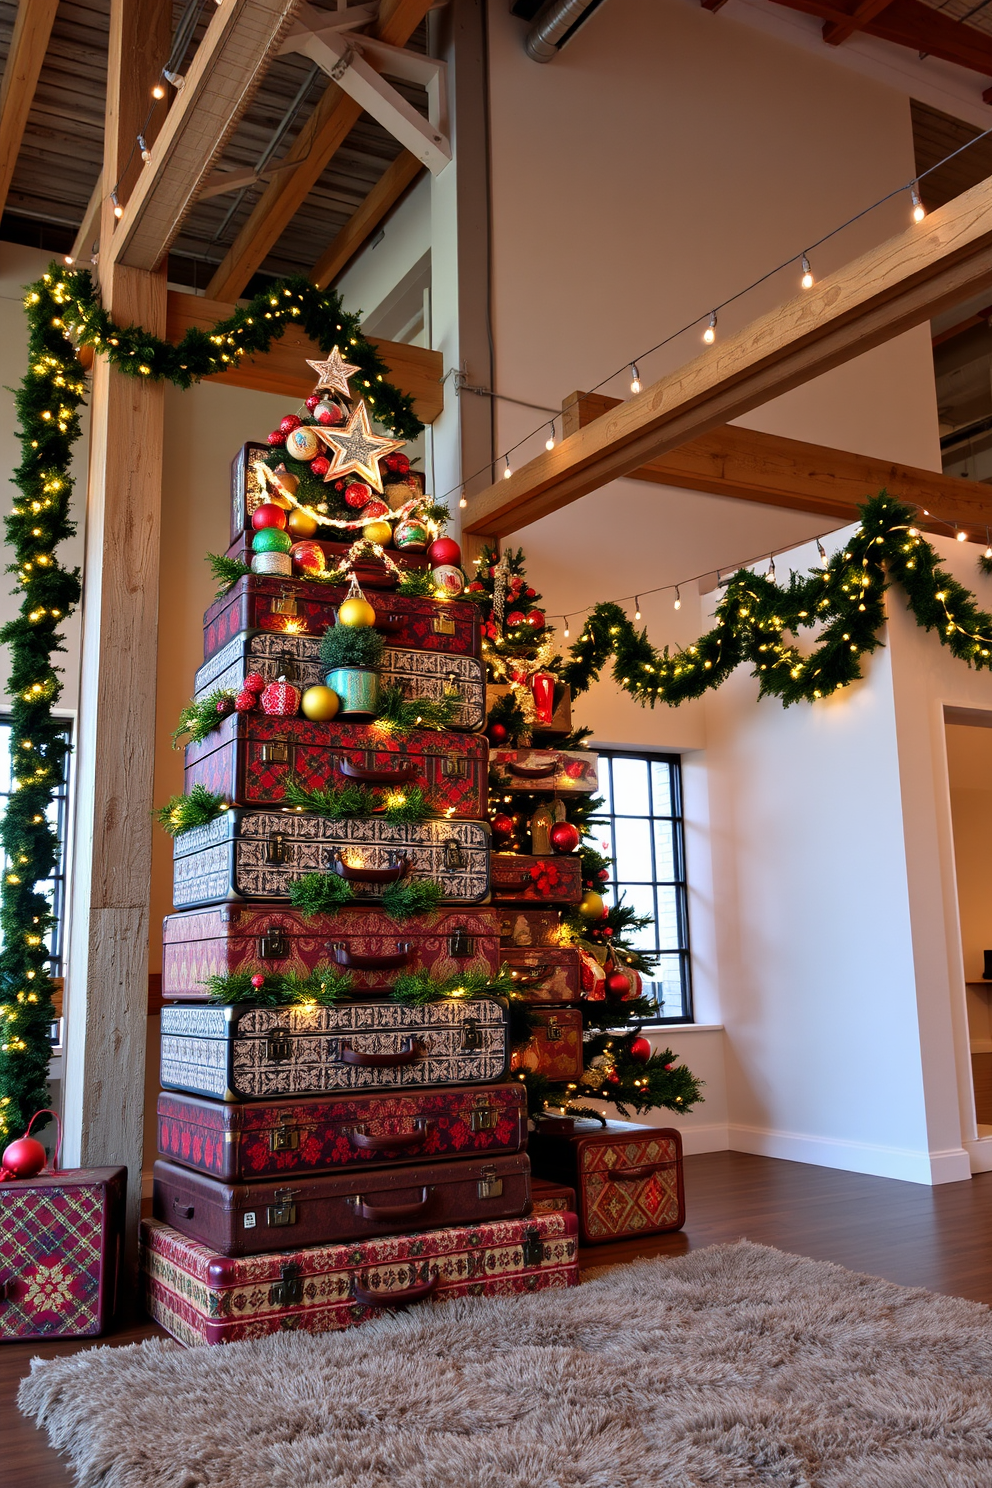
[939, 1238]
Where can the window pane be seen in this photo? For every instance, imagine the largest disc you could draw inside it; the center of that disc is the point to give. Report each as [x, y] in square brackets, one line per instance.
[664, 850]
[630, 787]
[661, 787]
[632, 841]
[604, 781]
[641, 898]
[668, 919]
[602, 838]
[665, 987]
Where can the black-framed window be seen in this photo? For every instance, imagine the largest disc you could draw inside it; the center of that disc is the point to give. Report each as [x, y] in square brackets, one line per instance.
[53, 887]
[640, 827]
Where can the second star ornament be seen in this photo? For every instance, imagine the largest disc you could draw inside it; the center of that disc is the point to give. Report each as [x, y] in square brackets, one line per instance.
[356, 448]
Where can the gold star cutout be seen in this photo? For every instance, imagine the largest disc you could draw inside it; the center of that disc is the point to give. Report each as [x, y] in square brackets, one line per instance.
[355, 448]
[333, 373]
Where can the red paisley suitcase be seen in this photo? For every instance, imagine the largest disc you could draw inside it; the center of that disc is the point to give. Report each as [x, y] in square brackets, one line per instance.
[530, 927]
[324, 1208]
[60, 1251]
[272, 937]
[250, 756]
[627, 1178]
[296, 607]
[333, 1132]
[555, 1050]
[549, 974]
[518, 878]
[201, 1297]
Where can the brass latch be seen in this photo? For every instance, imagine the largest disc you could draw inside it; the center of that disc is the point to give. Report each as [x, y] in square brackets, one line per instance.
[275, 752]
[283, 604]
[283, 1211]
[483, 1118]
[471, 1034]
[554, 1032]
[279, 1044]
[275, 848]
[284, 1139]
[287, 1292]
[453, 855]
[443, 625]
[490, 1187]
[455, 766]
[273, 945]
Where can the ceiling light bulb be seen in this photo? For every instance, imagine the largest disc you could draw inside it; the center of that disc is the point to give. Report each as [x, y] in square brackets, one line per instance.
[678, 598]
[807, 279]
[635, 378]
[919, 210]
[709, 335]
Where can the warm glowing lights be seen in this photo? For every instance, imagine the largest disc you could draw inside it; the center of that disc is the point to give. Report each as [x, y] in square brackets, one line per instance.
[158, 91]
[678, 599]
[118, 209]
[507, 472]
[566, 628]
[635, 378]
[637, 608]
[709, 335]
[807, 279]
[919, 210]
[961, 536]
[549, 443]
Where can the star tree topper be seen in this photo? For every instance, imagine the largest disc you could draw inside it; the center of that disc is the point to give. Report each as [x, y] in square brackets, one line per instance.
[356, 448]
[334, 373]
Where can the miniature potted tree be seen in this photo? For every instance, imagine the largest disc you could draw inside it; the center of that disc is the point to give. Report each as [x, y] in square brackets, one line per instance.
[353, 657]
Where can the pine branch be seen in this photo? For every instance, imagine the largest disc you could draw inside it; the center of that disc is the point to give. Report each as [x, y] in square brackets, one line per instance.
[399, 714]
[226, 572]
[197, 809]
[320, 893]
[404, 899]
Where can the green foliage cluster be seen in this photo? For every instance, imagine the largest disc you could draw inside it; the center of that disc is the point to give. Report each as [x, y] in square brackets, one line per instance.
[326, 893]
[400, 714]
[352, 646]
[415, 583]
[200, 717]
[226, 572]
[325, 985]
[197, 809]
[406, 804]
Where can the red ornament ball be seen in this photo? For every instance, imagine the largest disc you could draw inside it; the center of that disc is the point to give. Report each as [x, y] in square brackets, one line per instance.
[603, 875]
[281, 699]
[640, 1050]
[502, 825]
[564, 837]
[374, 510]
[515, 617]
[617, 984]
[475, 587]
[397, 464]
[277, 438]
[607, 932]
[246, 701]
[254, 682]
[329, 413]
[258, 980]
[320, 465]
[268, 515]
[498, 733]
[357, 494]
[24, 1158]
[289, 423]
[535, 619]
[312, 401]
[613, 1078]
[444, 550]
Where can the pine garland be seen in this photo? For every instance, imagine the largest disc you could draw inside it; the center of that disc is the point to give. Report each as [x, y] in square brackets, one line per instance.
[416, 583]
[400, 714]
[226, 572]
[404, 899]
[338, 802]
[183, 813]
[325, 985]
[326, 893]
[202, 715]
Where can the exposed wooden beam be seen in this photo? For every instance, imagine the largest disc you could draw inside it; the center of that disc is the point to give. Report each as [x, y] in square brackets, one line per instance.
[88, 235]
[910, 23]
[28, 45]
[227, 67]
[331, 121]
[980, 317]
[386, 192]
[834, 32]
[751, 466]
[930, 267]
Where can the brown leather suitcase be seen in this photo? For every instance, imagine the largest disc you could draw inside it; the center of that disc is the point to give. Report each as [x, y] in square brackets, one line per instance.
[555, 1049]
[519, 878]
[285, 1213]
[548, 974]
[627, 1178]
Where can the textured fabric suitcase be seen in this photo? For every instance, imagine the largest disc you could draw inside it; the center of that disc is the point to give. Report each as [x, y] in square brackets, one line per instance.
[201, 1297]
[550, 1198]
[201, 943]
[549, 974]
[302, 607]
[627, 1178]
[330, 1133]
[263, 1053]
[61, 1236]
[518, 878]
[530, 927]
[257, 855]
[565, 772]
[328, 1208]
[249, 758]
[555, 1049]
[418, 674]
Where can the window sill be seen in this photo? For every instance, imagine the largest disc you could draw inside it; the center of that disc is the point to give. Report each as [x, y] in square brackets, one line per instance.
[650, 1028]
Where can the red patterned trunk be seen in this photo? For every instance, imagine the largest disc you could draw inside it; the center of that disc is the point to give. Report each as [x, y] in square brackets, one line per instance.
[296, 607]
[60, 1250]
[628, 1178]
[544, 973]
[555, 1050]
[322, 1209]
[529, 927]
[201, 1297]
[520, 879]
[333, 1132]
[249, 758]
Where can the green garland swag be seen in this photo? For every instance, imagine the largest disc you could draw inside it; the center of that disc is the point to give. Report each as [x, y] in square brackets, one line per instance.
[326, 893]
[63, 312]
[198, 809]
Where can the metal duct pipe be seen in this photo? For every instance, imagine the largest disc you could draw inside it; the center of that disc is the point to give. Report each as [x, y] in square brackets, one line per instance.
[555, 25]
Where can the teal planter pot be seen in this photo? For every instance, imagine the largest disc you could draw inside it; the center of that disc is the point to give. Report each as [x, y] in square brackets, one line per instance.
[358, 690]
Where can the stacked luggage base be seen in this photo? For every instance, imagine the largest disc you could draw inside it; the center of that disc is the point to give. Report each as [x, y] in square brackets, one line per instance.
[200, 1297]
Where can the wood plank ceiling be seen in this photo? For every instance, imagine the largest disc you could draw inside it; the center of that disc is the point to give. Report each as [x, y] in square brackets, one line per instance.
[59, 161]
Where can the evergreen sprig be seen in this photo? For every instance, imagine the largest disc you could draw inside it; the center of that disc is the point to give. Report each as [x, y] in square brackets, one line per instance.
[352, 646]
[416, 583]
[320, 893]
[226, 572]
[406, 898]
[197, 809]
[401, 714]
[325, 985]
[418, 988]
[201, 716]
[406, 804]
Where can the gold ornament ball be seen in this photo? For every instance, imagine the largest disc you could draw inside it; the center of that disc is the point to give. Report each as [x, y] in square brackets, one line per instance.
[301, 523]
[277, 498]
[593, 905]
[377, 532]
[356, 612]
[320, 704]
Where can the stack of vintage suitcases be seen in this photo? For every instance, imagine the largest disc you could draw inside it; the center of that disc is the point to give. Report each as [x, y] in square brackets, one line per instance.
[320, 1162]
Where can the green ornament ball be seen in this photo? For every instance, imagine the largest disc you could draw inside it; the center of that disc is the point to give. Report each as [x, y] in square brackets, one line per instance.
[271, 540]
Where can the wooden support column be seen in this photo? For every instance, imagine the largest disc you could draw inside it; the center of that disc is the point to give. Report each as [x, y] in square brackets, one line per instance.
[107, 964]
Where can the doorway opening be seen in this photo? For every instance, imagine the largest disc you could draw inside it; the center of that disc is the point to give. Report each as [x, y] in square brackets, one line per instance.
[969, 765]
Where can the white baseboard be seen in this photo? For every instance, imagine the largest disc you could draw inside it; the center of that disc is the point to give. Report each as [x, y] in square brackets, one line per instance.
[980, 1153]
[695, 1139]
[950, 1166]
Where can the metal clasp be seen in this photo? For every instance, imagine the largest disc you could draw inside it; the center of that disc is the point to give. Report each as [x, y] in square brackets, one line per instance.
[459, 943]
[287, 1292]
[453, 855]
[443, 625]
[283, 604]
[275, 752]
[279, 1044]
[483, 1118]
[273, 945]
[284, 1138]
[275, 848]
[490, 1187]
[283, 1211]
[471, 1034]
[455, 766]
[554, 1032]
[532, 1249]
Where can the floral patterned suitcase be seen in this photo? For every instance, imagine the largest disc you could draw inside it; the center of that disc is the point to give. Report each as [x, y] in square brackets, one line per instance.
[555, 1049]
[544, 973]
[627, 1178]
[249, 757]
[261, 1053]
[201, 1297]
[364, 941]
[257, 854]
[565, 772]
[328, 1133]
[303, 607]
[60, 1252]
[419, 674]
[530, 927]
[518, 878]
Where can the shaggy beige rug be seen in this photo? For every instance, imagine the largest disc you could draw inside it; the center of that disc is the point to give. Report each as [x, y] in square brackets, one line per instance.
[733, 1365]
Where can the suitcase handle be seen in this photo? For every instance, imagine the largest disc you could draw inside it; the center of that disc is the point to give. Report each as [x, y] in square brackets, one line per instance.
[408, 1054]
[392, 1139]
[415, 1293]
[532, 772]
[371, 875]
[533, 977]
[632, 1173]
[386, 1213]
[185, 1211]
[386, 961]
[372, 776]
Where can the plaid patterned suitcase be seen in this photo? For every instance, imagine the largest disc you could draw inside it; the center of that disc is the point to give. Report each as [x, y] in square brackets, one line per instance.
[555, 1050]
[419, 674]
[201, 1297]
[257, 854]
[264, 1053]
[565, 772]
[544, 973]
[329, 1133]
[272, 937]
[627, 1178]
[249, 758]
[60, 1250]
[302, 607]
[518, 878]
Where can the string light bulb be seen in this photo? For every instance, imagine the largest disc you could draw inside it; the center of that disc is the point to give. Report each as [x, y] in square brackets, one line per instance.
[807, 279]
[635, 378]
[919, 210]
[678, 599]
[637, 607]
[961, 535]
[146, 154]
[549, 443]
[118, 209]
[158, 91]
[709, 335]
[69, 260]
[822, 552]
[507, 472]
[463, 502]
[771, 567]
[566, 628]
